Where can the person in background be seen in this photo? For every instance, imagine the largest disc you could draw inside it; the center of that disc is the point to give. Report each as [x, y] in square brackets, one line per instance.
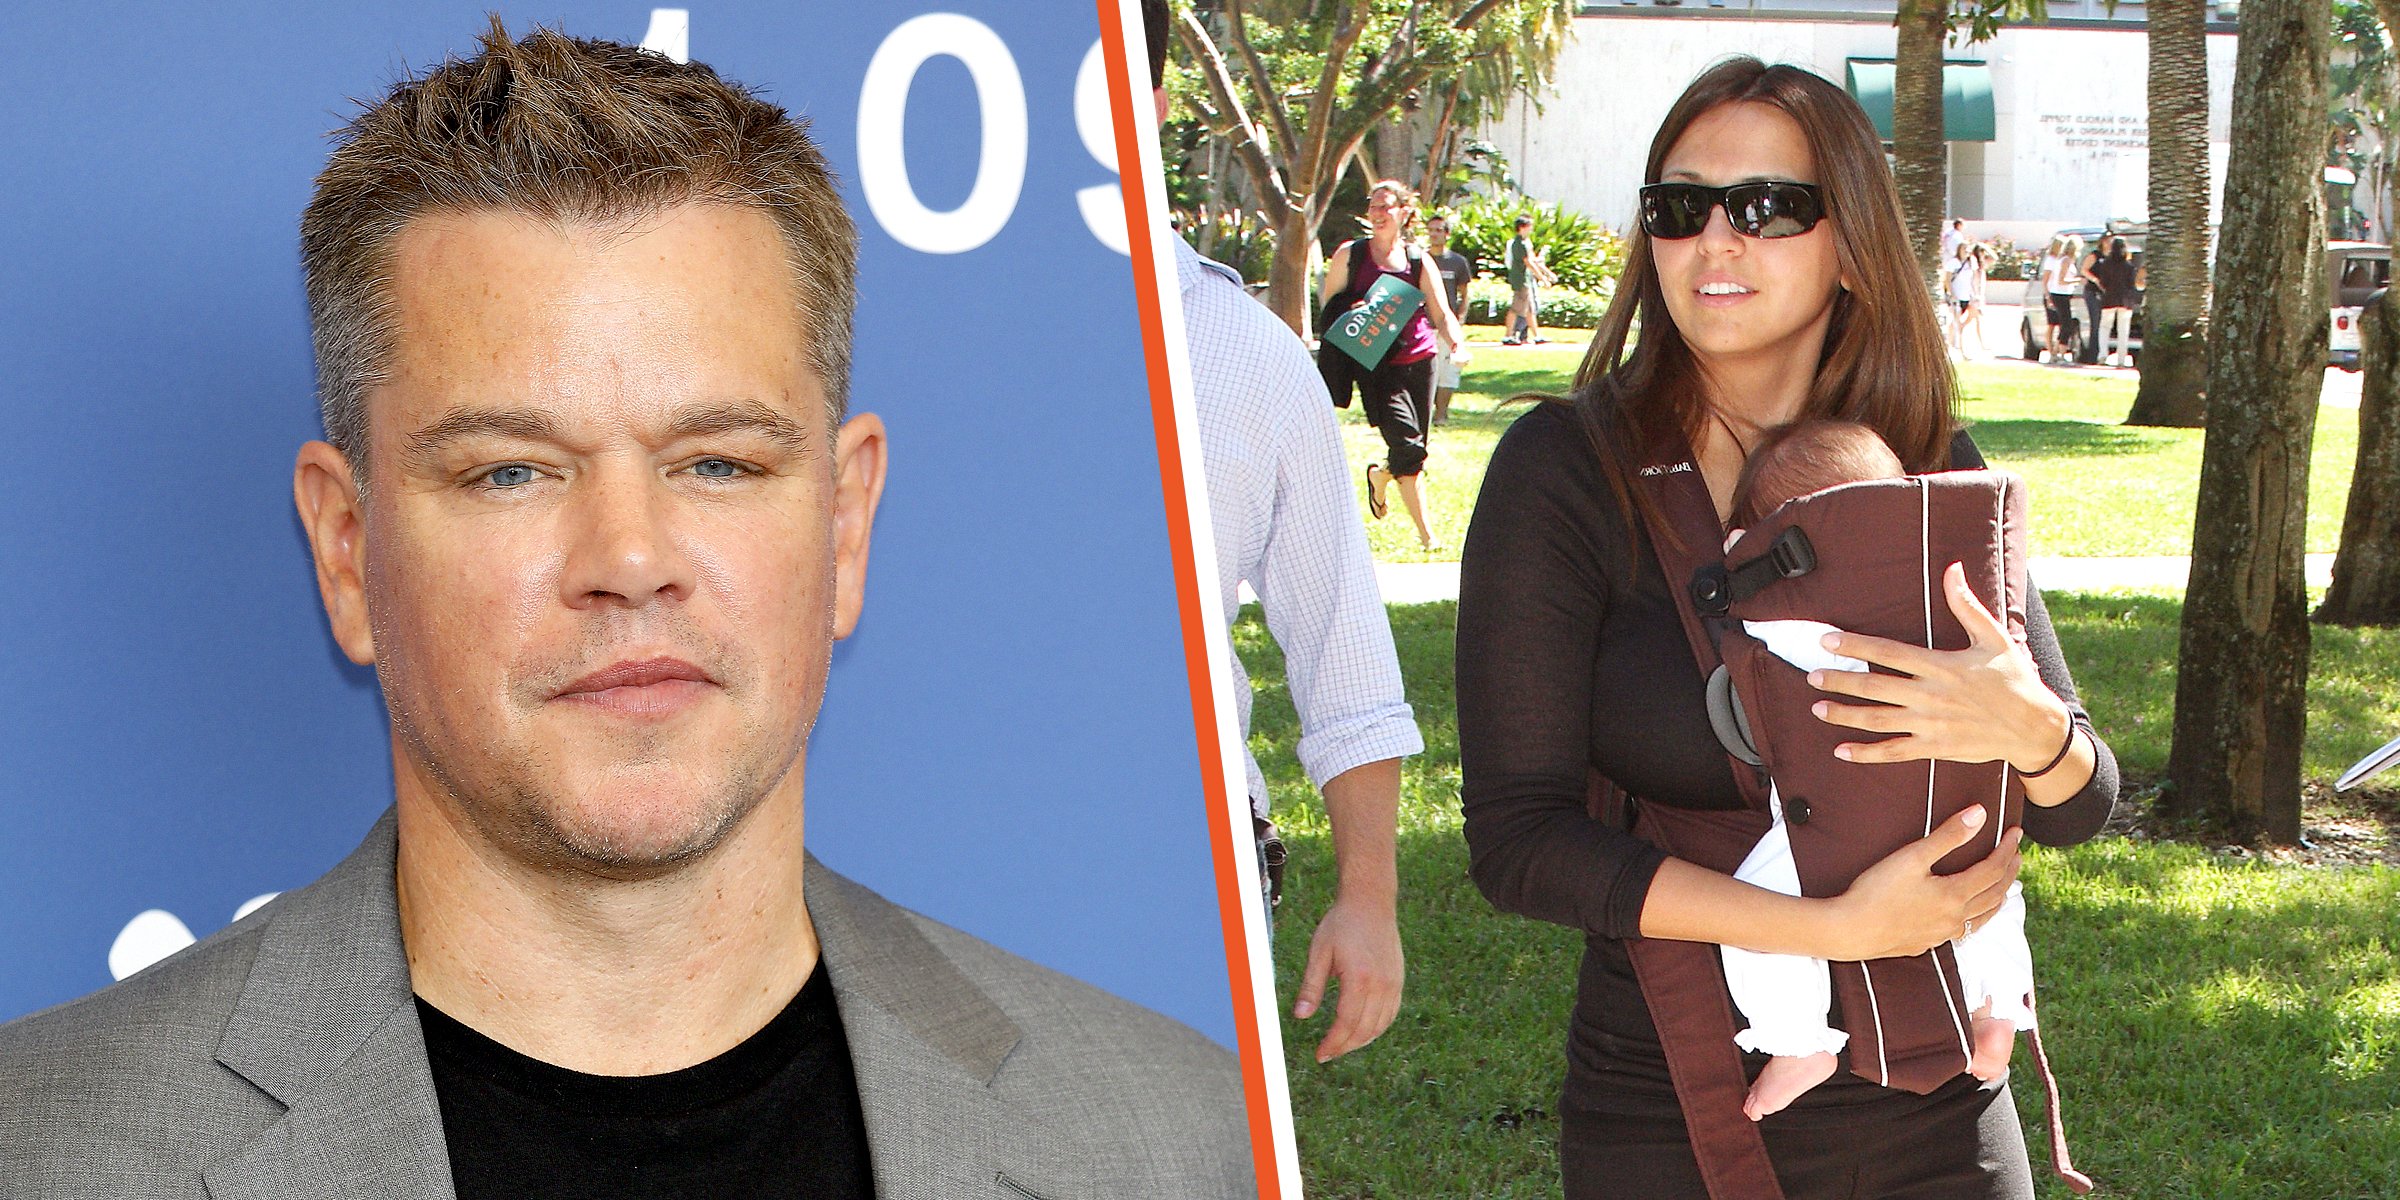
[2062, 281]
[1397, 392]
[1284, 520]
[1456, 271]
[1526, 273]
[1951, 237]
[1969, 267]
[2090, 352]
[2121, 284]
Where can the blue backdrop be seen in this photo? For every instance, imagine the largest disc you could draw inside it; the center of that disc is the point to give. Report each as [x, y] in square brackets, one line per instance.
[1007, 742]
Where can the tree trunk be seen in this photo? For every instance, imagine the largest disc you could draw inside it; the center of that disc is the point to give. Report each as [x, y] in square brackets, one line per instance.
[2242, 675]
[1919, 148]
[1395, 148]
[2366, 572]
[2174, 378]
[1287, 274]
[1437, 154]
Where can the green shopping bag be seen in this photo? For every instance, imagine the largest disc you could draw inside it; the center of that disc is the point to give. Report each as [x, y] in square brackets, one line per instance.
[1367, 331]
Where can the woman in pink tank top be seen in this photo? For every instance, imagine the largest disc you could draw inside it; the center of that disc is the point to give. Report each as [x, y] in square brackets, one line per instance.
[1397, 393]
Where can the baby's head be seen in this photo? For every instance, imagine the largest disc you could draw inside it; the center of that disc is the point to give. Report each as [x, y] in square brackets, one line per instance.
[1806, 456]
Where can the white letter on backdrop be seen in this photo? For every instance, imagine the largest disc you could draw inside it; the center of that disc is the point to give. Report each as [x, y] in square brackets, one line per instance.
[670, 34]
[1103, 208]
[883, 113]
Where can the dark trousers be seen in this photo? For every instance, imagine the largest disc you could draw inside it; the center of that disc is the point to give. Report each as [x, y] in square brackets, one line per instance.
[2090, 352]
[1398, 400]
[1967, 1147]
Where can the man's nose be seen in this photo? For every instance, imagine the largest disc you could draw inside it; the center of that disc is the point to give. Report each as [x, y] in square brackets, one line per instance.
[622, 546]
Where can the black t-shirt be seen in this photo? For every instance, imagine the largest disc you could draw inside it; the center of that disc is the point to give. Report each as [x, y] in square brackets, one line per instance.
[2116, 282]
[1455, 273]
[777, 1115]
[1572, 657]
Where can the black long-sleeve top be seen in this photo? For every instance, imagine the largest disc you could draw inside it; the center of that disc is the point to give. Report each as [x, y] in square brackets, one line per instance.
[1571, 657]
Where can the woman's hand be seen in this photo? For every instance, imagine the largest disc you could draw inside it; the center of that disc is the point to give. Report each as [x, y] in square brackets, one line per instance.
[1899, 907]
[1981, 704]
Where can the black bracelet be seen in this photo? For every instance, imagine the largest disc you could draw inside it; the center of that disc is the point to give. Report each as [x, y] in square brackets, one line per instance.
[2058, 758]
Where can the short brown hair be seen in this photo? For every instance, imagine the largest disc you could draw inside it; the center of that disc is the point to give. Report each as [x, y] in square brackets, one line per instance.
[1807, 456]
[565, 130]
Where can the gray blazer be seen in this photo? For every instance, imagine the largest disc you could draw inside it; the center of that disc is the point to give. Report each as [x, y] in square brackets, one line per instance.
[281, 1059]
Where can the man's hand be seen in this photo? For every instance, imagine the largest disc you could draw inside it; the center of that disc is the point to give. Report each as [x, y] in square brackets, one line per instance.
[1358, 944]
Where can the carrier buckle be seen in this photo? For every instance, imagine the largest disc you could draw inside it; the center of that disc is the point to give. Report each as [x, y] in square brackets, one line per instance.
[1715, 590]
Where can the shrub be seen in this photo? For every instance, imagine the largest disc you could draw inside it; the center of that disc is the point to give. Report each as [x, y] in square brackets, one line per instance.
[1585, 254]
[1562, 308]
[1243, 241]
[2011, 262]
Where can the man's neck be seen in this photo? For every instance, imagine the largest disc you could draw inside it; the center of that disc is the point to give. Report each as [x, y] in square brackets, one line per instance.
[600, 975]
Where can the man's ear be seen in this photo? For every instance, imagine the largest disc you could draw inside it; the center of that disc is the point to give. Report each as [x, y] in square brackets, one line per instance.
[858, 463]
[326, 492]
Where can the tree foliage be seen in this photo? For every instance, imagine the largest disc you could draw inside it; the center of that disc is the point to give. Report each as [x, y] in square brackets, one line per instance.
[1292, 88]
[1585, 255]
[2361, 112]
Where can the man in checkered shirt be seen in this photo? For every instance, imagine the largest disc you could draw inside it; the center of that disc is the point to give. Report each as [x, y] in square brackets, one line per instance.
[1286, 522]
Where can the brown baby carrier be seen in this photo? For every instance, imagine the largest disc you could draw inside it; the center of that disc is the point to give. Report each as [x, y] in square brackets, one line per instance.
[1866, 558]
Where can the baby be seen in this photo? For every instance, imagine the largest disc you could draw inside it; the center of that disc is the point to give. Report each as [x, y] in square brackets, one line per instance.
[1785, 998]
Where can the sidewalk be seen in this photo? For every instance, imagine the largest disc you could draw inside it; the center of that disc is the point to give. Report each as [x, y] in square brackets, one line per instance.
[1424, 583]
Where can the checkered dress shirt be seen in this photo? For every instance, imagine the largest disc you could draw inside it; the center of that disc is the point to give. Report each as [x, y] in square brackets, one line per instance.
[1283, 506]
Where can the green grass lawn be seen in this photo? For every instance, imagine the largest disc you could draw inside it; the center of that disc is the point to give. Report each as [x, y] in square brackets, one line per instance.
[2221, 1027]
[2098, 487]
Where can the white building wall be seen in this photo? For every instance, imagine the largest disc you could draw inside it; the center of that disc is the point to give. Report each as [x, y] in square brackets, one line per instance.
[2071, 109]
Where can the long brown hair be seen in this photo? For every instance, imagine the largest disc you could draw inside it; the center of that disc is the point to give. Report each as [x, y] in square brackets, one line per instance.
[1883, 366]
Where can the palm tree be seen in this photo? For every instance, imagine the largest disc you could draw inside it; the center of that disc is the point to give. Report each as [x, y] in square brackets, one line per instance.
[2242, 676]
[1919, 141]
[2175, 309]
[1920, 134]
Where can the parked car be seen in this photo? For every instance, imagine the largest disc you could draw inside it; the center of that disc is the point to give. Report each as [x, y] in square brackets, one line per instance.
[2034, 327]
[2354, 272]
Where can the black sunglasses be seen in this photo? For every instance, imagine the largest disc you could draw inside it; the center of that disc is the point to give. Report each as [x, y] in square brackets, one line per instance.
[1773, 209]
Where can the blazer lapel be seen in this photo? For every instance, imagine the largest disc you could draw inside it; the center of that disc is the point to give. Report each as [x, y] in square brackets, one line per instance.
[327, 1027]
[927, 1046]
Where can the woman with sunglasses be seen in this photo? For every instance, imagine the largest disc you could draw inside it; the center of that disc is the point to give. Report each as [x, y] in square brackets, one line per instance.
[1771, 281]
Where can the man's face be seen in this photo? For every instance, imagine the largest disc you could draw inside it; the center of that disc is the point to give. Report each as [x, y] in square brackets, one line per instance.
[1437, 233]
[609, 536]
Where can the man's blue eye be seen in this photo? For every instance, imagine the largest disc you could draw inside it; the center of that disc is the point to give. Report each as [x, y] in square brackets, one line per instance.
[510, 476]
[715, 468]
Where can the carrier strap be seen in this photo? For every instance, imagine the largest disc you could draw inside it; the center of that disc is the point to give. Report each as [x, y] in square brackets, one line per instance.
[1683, 983]
[2060, 1163]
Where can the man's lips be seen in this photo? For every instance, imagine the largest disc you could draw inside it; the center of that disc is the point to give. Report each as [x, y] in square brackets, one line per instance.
[647, 687]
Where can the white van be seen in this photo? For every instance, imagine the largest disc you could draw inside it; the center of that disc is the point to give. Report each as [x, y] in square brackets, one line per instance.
[2354, 272]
